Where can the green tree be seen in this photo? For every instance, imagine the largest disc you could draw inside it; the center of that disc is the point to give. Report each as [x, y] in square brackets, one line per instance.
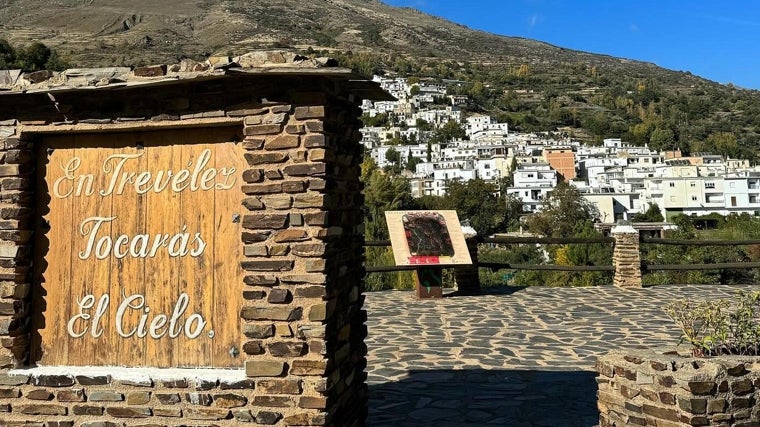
[7, 55]
[662, 139]
[694, 254]
[723, 143]
[478, 202]
[652, 214]
[393, 156]
[411, 162]
[383, 192]
[423, 125]
[449, 132]
[584, 254]
[510, 254]
[34, 57]
[564, 212]
[380, 120]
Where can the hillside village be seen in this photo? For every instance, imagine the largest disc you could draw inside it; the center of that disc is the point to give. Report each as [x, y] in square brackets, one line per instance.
[620, 179]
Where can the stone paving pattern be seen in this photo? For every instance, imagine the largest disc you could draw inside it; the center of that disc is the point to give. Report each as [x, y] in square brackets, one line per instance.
[509, 357]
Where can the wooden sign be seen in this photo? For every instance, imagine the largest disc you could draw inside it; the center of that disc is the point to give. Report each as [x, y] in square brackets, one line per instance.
[140, 265]
[427, 238]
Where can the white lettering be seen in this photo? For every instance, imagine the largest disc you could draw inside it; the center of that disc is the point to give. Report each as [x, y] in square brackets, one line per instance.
[140, 251]
[97, 331]
[158, 327]
[139, 302]
[179, 309]
[197, 175]
[91, 226]
[85, 303]
[120, 159]
[177, 244]
[68, 175]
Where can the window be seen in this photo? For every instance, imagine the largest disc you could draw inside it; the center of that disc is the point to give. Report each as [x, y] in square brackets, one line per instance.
[692, 184]
[733, 200]
[709, 185]
[694, 198]
[753, 199]
[672, 184]
[672, 198]
[731, 185]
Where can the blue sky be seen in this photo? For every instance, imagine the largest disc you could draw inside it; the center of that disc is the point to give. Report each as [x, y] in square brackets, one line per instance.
[718, 40]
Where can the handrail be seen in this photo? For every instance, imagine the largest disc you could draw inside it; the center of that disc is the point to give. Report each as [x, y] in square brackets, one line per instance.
[497, 266]
[392, 268]
[548, 240]
[690, 267]
[551, 267]
[518, 240]
[678, 242]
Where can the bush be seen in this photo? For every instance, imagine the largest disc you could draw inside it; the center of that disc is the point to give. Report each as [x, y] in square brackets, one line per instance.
[721, 326]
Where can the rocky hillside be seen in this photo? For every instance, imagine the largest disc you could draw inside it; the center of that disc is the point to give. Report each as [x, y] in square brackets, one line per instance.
[531, 85]
[111, 32]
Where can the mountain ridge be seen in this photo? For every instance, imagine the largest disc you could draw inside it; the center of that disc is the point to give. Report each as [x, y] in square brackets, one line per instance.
[532, 85]
[106, 32]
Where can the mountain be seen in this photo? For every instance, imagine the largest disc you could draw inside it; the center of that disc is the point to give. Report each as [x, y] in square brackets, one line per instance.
[106, 32]
[531, 85]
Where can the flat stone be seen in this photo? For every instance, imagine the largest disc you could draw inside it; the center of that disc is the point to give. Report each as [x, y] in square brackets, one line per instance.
[53, 380]
[93, 380]
[268, 417]
[264, 368]
[230, 400]
[168, 398]
[104, 396]
[119, 412]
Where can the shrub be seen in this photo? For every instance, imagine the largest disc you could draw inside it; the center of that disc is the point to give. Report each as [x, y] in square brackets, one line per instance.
[720, 326]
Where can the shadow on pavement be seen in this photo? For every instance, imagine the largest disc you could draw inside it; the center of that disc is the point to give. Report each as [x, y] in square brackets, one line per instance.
[477, 397]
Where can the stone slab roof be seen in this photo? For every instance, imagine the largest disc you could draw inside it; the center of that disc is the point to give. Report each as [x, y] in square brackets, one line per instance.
[252, 63]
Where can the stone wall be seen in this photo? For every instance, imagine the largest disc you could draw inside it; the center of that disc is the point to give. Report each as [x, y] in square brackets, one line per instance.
[646, 388]
[302, 350]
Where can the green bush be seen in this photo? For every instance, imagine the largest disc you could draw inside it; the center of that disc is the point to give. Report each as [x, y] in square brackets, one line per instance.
[720, 326]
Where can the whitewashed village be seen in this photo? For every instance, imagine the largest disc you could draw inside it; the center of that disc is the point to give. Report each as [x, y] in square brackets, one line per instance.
[618, 178]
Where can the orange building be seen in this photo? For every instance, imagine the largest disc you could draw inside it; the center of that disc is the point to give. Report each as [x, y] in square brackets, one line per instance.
[561, 159]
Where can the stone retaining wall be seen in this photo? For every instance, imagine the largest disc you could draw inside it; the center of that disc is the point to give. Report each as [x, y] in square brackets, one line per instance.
[646, 388]
[302, 352]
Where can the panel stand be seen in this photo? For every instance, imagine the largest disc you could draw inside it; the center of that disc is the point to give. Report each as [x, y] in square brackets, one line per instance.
[428, 282]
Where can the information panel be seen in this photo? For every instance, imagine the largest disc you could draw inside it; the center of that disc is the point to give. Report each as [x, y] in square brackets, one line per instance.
[427, 238]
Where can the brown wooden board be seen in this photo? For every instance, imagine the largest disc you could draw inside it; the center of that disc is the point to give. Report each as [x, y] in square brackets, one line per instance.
[159, 255]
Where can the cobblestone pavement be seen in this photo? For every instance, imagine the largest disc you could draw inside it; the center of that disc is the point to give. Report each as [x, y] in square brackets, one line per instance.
[519, 357]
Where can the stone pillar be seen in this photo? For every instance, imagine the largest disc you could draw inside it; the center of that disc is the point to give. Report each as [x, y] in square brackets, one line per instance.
[466, 276]
[305, 245]
[16, 206]
[626, 257]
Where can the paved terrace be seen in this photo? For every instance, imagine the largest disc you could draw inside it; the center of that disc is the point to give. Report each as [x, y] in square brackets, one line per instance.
[520, 357]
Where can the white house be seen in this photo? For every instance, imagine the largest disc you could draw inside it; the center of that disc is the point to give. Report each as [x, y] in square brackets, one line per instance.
[532, 182]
